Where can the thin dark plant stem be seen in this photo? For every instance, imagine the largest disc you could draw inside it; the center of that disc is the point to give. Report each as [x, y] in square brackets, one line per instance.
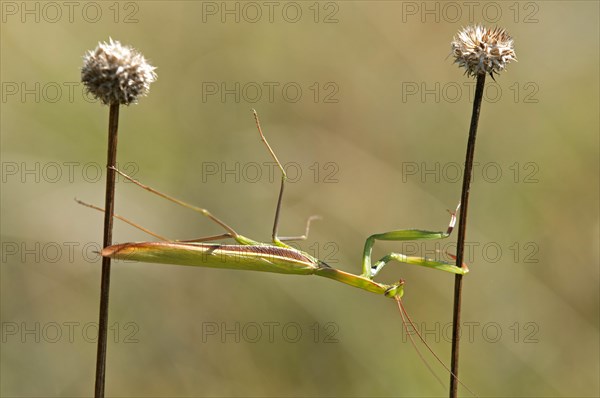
[113, 127]
[462, 227]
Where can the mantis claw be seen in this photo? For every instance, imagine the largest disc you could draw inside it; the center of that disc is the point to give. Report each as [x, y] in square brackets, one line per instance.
[463, 265]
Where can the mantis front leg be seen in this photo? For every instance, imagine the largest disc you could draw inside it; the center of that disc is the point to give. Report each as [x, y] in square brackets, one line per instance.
[370, 270]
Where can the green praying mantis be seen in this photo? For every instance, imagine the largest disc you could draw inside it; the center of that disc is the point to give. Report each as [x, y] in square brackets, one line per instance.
[277, 256]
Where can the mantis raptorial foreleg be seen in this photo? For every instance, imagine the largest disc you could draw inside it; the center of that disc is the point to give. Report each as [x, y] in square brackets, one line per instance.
[372, 269]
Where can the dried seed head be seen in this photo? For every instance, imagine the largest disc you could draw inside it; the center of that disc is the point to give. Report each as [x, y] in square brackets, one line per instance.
[482, 50]
[116, 74]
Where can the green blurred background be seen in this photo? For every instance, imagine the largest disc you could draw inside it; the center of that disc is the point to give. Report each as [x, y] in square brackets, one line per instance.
[374, 141]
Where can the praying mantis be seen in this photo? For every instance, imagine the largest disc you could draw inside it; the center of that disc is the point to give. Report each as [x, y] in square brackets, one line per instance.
[277, 256]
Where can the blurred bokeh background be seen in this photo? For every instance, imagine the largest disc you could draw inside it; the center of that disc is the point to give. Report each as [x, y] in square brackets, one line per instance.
[360, 102]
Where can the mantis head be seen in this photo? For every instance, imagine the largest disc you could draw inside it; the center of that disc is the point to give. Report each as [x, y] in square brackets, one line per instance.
[396, 290]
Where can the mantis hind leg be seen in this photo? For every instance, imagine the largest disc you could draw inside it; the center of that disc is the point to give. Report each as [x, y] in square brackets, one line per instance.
[227, 235]
[230, 231]
[124, 220]
[371, 269]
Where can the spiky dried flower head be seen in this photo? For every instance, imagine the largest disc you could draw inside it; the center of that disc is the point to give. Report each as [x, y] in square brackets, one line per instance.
[116, 74]
[482, 50]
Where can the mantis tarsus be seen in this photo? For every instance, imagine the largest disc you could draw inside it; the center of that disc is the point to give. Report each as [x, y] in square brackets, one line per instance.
[277, 256]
